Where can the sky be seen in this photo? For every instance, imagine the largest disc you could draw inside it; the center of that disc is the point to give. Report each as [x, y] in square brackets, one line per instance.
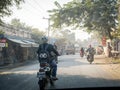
[81, 35]
[32, 13]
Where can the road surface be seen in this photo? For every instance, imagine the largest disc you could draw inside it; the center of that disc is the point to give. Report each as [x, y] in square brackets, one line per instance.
[73, 72]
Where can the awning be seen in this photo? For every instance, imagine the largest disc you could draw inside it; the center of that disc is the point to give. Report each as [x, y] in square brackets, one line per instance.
[24, 43]
[33, 44]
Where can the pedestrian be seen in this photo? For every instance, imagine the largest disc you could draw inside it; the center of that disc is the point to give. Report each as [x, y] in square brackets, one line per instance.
[82, 52]
[109, 50]
[50, 49]
[56, 57]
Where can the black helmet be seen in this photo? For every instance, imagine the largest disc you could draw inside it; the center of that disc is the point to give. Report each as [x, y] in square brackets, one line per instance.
[44, 39]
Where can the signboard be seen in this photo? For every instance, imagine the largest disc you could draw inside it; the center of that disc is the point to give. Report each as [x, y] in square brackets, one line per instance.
[3, 44]
[104, 41]
[2, 40]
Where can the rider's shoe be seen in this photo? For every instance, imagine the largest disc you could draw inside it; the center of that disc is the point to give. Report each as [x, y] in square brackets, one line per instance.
[54, 78]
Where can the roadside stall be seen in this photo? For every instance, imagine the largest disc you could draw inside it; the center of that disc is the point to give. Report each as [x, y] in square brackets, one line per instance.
[18, 50]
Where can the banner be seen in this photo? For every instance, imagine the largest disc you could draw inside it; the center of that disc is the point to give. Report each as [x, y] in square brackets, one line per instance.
[104, 41]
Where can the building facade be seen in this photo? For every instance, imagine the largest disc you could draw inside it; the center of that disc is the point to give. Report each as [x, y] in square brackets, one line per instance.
[16, 45]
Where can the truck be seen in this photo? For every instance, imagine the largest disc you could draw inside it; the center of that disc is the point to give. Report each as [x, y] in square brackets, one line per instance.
[70, 49]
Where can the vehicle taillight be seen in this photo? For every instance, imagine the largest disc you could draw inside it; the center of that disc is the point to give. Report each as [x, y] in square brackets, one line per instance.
[43, 64]
[41, 70]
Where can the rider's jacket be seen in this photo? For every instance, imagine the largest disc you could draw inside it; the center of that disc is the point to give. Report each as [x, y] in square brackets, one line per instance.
[50, 49]
[91, 50]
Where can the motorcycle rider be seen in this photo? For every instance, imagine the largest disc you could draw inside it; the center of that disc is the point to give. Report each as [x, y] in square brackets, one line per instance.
[91, 51]
[51, 58]
[82, 52]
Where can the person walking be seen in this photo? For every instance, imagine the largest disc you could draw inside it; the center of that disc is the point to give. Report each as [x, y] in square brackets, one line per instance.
[56, 57]
[109, 50]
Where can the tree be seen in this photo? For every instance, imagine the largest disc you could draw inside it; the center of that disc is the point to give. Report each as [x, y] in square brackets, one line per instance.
[17, 23]
[5, 7]
[116, 34]
[96, 15]
[36, 34]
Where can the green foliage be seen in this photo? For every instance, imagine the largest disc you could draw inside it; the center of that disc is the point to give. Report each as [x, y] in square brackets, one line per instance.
[96, 15]
[37, 35]
[60, 42]
[5, 7]
[1, 32]
[17, 23]
[117, 33]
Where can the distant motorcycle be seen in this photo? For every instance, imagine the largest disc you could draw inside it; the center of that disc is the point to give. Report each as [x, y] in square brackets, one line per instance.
[90, 57]
[81, 54]
[44, 75]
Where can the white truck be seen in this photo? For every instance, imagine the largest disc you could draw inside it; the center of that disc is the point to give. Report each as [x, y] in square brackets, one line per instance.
[70, 49]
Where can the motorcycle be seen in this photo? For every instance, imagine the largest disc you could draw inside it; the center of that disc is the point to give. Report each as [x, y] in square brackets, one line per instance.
[44, 75]
[81, 54]
[90, 57]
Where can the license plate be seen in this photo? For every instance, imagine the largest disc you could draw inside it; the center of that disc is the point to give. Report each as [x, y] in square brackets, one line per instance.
[41, 74]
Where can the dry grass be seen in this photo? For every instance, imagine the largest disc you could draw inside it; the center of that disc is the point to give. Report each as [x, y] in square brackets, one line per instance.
[113, 60]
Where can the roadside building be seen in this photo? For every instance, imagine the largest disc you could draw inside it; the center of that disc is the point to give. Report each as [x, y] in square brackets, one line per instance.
[16, 45]
[115, 45]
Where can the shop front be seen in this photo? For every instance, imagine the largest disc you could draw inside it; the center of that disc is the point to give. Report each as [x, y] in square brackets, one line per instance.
[17, 50]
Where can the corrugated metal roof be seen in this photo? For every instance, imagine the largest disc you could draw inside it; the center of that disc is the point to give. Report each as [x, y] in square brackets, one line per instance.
[24, 43]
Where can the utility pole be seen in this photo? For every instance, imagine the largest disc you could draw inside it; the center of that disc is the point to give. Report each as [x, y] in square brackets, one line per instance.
[48, 27]
[58, 5]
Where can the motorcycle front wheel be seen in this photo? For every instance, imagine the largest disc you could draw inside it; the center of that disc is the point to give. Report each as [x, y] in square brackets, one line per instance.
[50, 77]
[42, 84]
[90, 59]
[91, 62]
[51, 82]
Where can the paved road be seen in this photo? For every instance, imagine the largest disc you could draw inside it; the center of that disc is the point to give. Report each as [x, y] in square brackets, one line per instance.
[73, 72]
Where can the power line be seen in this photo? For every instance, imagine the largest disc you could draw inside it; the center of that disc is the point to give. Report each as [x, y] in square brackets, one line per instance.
[38, 5]
[34, 6]
[29, 10]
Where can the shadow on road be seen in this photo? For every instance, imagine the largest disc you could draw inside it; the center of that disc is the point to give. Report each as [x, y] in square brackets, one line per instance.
[73, 61]
[29, 82]
[81, 81]
[18, 82]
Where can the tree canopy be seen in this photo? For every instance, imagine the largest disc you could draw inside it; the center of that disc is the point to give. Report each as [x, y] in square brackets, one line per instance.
[36, 34]
[96, 15]
[5, 7]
